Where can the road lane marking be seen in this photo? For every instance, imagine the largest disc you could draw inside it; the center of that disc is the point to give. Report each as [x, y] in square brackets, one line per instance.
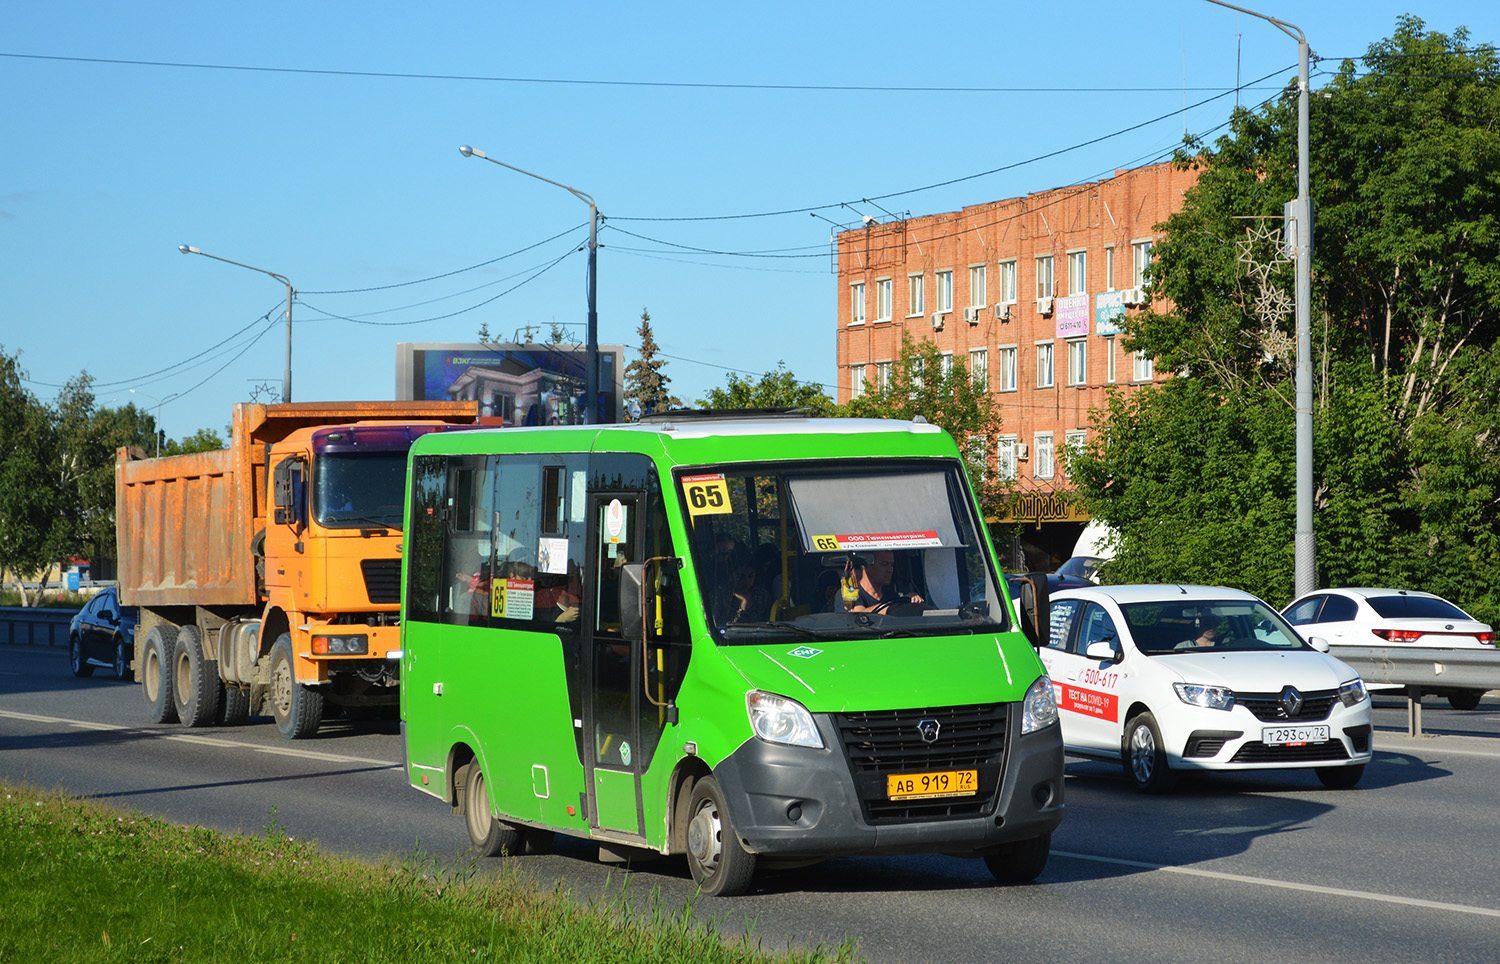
[203, 740]
[1286, 885]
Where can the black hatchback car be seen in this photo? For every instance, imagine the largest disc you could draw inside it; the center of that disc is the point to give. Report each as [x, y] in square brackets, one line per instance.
[102, 634]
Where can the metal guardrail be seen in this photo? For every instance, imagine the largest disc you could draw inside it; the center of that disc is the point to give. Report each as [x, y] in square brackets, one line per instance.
[30, 626]
[1420, 668]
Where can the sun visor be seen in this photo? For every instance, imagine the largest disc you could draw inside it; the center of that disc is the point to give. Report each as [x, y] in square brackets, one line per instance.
[854, 513]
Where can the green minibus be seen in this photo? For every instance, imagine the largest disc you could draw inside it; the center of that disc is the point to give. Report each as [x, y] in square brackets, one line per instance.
[756, 640]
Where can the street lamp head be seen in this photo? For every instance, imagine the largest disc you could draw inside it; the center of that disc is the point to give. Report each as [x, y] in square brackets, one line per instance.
[468, 151]
[188, 249]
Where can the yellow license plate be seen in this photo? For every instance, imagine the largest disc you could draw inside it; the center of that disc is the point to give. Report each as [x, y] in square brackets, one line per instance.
[926, 786]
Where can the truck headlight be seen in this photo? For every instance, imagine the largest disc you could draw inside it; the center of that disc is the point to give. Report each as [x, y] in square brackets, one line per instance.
[1208, 697]
[1353, 692]
[777, 719]
[340, 645]
[1039, 708]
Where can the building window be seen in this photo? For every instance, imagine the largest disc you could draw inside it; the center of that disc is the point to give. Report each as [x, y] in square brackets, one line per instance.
[1144, 370]
[1074, 443]
[1109, 359]
[915, 288]
[856, 380]
[1044, 285]
[883, 376]
[1007, 369]
[976, 286]
[1109, 267]
[944, 291]
[1078, 362]
[979, 456]
[1005, 458]
[1078, 272]
[979, 367]
[1042, 463]
[1044, 374]
[1007, 282]
[1141, 263]
[918, 367]
[857, 303]
[947, 363]
[883, 299]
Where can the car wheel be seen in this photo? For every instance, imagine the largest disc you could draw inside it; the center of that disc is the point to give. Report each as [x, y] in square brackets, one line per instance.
[1144, 757]
[159, 653]
[234, 706]
[719, 864]
[490, 837]
[1340, 778]
[195, 689]
[1465, 699]
[1021, 862]
[78, 662]
[122, 659]
[298, 709]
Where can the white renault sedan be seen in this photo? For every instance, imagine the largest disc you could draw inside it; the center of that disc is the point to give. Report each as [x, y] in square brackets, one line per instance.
[1167, 678]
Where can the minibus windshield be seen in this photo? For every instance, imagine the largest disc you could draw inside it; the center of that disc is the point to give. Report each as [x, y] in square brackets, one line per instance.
[838, 550]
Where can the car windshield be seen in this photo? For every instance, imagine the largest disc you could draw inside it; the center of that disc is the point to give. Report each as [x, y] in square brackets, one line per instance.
[1415, 607]
[1208, 626]
[834, 550]
[360, 491]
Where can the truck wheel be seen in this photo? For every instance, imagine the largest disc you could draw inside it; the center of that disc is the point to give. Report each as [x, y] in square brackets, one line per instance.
[489, 836]
[195, 690]
[721, 867]
[1021, 862]
[160, 649]
[122, 659]
[1340, 778]
[1465, 699]
[234, 706]
[298, 709]
[1145, 758]
[78, 662]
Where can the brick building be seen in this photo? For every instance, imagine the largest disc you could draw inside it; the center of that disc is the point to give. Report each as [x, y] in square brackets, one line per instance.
[1025, 291]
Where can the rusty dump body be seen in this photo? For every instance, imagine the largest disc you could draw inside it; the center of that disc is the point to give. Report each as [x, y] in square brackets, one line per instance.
[228, 552]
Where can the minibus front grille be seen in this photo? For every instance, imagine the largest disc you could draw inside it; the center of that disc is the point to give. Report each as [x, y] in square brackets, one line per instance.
[882, 743]
[382, 579]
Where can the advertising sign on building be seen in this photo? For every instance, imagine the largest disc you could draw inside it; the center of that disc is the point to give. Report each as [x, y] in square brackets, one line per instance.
[1109, 307]
[1072, 316]
[523, 384]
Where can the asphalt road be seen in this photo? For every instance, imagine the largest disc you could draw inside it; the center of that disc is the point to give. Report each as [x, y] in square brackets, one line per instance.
[1267, 867]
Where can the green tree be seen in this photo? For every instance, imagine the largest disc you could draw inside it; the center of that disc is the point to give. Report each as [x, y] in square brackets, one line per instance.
[203, 440]
[645, 384]
[1406, 300]
[950, 399]
[29, 499]
[774, 389]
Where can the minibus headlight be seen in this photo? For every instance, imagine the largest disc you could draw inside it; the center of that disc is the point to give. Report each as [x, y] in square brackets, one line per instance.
[1208, 697]
[777, 719]
[1353, 692]
[1039, 709]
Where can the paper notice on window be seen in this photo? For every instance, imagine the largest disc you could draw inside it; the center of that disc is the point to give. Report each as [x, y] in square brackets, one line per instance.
[512, 598]
[552, 556]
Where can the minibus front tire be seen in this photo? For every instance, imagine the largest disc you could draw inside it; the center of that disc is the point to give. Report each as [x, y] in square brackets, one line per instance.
[1020, 862]
[719, 864]
[489, 836]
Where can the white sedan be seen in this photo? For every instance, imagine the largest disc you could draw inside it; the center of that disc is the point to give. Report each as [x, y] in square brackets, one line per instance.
[1167, 678]
[1392, 618]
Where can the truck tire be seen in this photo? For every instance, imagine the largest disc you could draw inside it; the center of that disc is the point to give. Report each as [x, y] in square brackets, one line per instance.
[298, 709]
[234, 706]
[157, 655]
[78, 662]
[489, 836]
[195, 687]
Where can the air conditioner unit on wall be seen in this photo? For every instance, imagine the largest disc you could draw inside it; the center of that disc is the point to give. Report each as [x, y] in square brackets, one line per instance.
[1133, 297]
[937, 320]
[1044, 306]
[971, 315]
[1002, 312]
[1022, 452]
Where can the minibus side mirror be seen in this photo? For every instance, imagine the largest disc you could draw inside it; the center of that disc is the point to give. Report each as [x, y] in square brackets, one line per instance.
[1036, 621]
[632, 598]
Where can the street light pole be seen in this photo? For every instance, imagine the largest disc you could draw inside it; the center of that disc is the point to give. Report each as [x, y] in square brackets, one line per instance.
[1305, 549]
[591, 363]
[156, 422]
[286, 378]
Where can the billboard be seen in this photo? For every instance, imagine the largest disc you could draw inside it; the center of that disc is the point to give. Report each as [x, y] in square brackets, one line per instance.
[527, 384]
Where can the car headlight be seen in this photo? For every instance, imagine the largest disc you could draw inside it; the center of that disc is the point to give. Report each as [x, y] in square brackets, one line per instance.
[777, 719]
[1039, 708]
[1208, 697]
[1353, 692]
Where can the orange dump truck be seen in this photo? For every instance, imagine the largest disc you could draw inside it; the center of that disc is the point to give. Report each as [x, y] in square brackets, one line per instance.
[268, 573]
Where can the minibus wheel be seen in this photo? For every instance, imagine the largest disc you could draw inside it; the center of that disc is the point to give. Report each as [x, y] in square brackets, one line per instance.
[1021, 862]
[489, 836]
[720, 866]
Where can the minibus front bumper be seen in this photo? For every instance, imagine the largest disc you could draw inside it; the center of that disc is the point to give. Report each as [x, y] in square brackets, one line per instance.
[800, 802]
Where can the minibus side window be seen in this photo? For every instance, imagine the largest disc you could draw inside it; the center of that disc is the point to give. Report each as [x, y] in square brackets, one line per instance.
[424, 538]
[467, 549]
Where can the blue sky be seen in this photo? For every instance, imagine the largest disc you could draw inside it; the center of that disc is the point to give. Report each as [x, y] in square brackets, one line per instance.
[333, 160]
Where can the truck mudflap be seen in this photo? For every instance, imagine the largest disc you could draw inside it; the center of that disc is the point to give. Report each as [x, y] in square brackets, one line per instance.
[803, 802]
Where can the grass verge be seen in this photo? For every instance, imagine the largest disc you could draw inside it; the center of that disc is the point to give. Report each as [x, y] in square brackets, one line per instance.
[86, 882]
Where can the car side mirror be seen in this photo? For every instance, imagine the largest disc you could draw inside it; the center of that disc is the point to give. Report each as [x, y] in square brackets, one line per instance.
[1318, 643]
[1103, 650]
